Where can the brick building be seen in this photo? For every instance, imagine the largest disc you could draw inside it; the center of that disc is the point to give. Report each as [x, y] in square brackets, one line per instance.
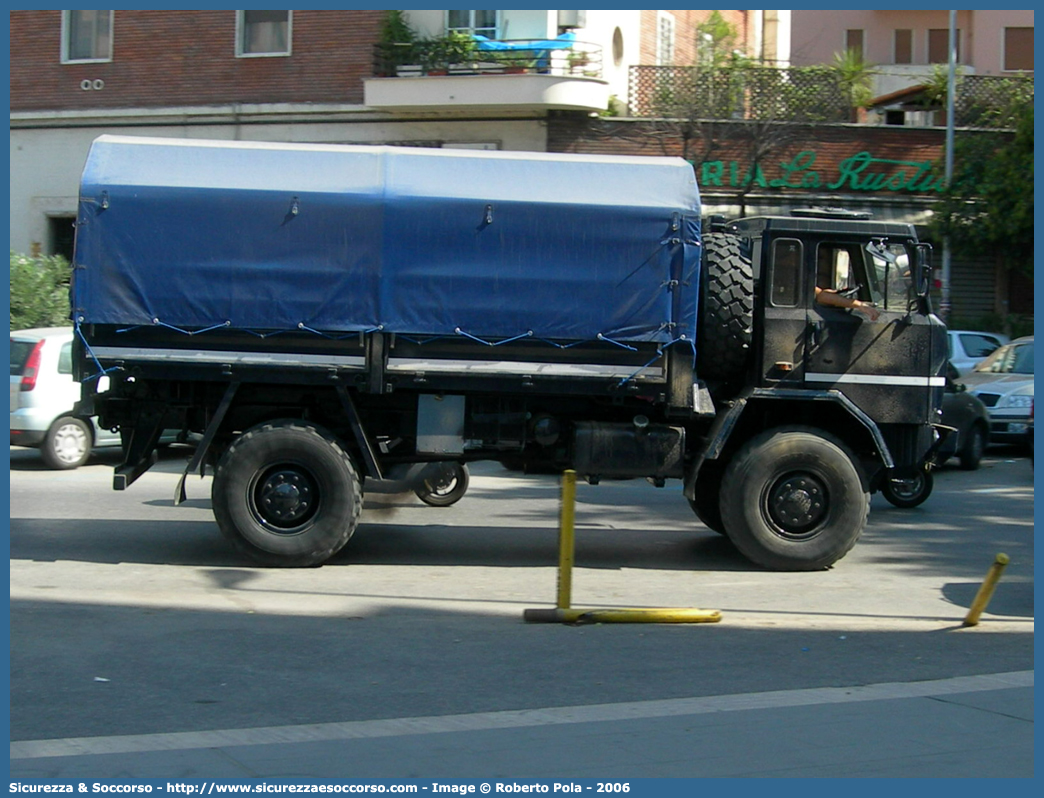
[310, 76]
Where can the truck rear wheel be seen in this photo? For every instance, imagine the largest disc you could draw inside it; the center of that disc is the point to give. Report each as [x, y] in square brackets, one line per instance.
[726, 315]
[286, 494]
[793, 500]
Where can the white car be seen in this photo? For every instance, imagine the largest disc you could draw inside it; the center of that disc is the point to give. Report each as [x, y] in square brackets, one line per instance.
[43, 393]
[968, 348]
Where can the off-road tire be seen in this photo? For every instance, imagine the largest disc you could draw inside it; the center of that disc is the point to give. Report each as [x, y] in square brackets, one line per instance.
[794, 499]
[726, 314]
[707, 505]
[286, 494]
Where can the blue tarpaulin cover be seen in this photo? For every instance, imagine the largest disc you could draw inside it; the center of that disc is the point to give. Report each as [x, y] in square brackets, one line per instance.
[342, 238]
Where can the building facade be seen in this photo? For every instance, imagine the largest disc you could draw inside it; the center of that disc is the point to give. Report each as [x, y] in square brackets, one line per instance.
[306, 76]
[906, 46]
[321, 76]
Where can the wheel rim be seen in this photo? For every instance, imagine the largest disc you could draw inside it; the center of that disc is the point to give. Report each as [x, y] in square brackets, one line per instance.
[70, 443]
[442, 487]
[796, 504]
[285, 498]
[908, 488]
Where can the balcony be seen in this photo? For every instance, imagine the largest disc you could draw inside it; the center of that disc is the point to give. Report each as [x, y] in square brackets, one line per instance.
[483, 75]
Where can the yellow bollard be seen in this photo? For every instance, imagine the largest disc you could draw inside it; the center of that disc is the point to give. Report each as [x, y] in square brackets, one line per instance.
[989, 584]
[563, 613]
[566, 538]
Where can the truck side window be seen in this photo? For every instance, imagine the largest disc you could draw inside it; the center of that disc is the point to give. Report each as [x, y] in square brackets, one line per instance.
[890, 281]
[787, 256]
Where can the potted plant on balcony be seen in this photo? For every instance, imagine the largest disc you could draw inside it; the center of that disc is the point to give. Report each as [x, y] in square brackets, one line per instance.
[453, 52]
[397, 47]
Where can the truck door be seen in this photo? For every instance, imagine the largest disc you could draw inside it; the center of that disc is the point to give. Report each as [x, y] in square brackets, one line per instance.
[882, 365]
[786, 313]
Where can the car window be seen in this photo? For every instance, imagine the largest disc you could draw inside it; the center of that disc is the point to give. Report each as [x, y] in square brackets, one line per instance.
[65, 358]
[976, 345]
[1009, 359]
[19, 355]
[1022, 363]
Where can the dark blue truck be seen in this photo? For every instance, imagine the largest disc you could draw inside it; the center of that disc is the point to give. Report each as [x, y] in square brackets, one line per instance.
[323, 316]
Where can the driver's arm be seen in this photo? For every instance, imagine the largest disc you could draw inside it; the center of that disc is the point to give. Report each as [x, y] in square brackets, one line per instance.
[831, 298]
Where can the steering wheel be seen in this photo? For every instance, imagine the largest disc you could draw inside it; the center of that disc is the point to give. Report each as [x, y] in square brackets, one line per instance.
[849, 293]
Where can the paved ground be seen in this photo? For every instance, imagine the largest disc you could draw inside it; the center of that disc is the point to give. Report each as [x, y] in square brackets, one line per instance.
[142, 648]
[964, 727]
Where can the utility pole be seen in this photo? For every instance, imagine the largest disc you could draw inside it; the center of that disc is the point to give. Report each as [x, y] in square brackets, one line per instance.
[951, 81]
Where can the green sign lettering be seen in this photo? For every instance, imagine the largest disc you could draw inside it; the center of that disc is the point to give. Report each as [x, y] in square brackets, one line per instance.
[859, 172]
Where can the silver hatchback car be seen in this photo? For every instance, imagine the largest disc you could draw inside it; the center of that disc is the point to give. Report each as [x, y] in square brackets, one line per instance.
[43, 393]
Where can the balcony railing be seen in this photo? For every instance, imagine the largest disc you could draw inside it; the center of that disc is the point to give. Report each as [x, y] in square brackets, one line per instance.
[454, 56]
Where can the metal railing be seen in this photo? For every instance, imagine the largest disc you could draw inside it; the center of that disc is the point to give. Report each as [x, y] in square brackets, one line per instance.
[457, 57]
[801, 94]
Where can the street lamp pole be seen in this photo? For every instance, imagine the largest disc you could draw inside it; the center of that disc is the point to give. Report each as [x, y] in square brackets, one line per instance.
[951, 81]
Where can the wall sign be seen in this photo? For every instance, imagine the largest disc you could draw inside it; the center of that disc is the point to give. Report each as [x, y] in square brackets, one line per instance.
[859, 172]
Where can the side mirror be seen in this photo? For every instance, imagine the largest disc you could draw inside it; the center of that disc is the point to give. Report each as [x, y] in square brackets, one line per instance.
[922, 276]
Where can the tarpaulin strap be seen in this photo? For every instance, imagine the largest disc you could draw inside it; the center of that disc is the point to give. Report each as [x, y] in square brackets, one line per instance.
[221, 326]
[562, 346]
[527, 334]
[97, 363]
[659, 354]
[644, 263]
[421, 341]
[306, 328]
[616, 343]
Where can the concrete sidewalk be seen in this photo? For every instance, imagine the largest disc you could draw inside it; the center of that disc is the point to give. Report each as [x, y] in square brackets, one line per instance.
[975, 726]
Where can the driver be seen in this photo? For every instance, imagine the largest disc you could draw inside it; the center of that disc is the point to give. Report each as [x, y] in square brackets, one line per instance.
[831, 298]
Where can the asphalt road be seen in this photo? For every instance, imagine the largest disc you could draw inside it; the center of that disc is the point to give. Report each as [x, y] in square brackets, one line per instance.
[131, 616]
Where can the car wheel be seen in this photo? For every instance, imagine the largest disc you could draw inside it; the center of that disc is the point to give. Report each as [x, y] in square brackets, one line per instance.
[973, 449]
[906, 493]
[67, 444]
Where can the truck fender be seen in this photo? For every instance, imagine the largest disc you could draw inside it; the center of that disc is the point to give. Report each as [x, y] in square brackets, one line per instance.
[725, 424]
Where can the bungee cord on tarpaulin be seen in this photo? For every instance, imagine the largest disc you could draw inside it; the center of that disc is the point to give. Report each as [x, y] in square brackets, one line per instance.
[458, 332]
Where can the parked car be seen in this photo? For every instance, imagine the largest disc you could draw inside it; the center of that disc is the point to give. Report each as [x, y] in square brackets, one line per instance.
[1004, 383]
[43, 393]
[968, 348]
[968, 416]
[966, 413]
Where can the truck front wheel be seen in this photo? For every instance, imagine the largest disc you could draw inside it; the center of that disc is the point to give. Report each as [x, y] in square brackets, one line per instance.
[286, 494]
[793, 500]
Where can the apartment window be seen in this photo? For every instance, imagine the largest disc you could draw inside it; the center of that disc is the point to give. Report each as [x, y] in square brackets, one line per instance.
[1018, 49]
[261, 33]
[854, 41]
[484, 23]
[939, 46]
[86, 36]
[664, 38]
[903, 46]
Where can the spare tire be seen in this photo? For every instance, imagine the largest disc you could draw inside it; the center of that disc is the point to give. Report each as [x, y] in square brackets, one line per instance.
[725, 325]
